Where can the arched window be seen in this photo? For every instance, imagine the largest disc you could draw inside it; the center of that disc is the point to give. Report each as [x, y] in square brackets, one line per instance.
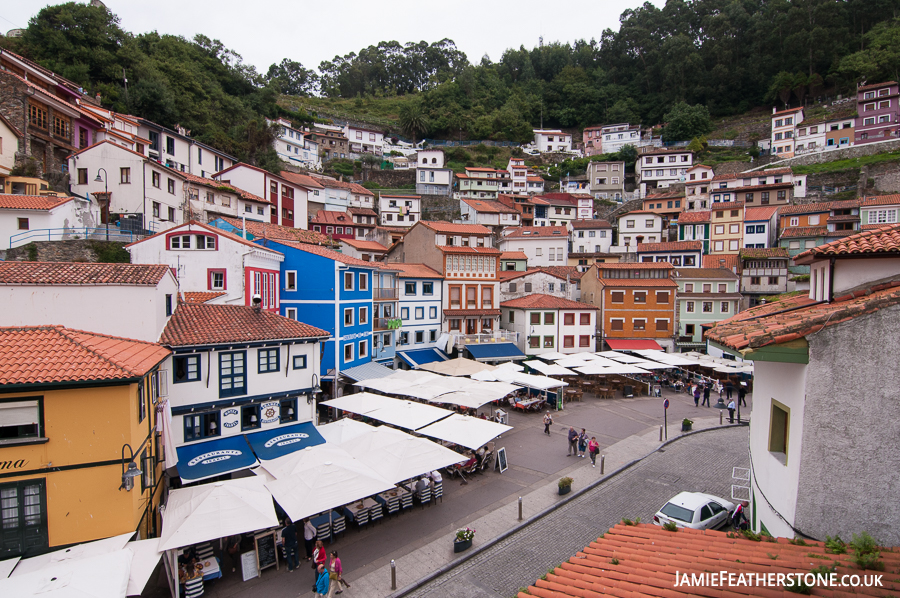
[424, 160]
[434, 160]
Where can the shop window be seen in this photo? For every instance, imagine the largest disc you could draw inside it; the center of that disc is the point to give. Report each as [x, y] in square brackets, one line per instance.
[198, 426]
[250, 417]
[288, 411]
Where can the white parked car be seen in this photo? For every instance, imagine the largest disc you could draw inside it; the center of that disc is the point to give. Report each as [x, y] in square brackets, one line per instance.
[695, 510]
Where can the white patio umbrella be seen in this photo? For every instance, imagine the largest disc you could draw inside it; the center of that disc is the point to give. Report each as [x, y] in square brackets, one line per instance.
[409, 414]
[218, 510]
[7, 566]
[481, 393]
[510, 365]
[573, 362]
[398, 457]
[360, 403]
[470, 432]
[624, 358]
[146, 555]
[103, 575]
[551, 369]
[551, 356]
[456, 367]
[343, 430]
[79, 551]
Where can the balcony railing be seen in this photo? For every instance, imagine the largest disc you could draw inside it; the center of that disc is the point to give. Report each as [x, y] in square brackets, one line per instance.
[385, 323]
[501, 336]
[385, 294]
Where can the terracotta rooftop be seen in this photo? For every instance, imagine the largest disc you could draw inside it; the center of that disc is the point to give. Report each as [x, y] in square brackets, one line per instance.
[880, 200]
[759, 214]
[729, 261]
[70, 273]
[219, 184]
[562, 272]
[266, 230]
[642, 561]
[637, 266]
[416, 271]
[449, 228]
[669, 195]
[32, 202]
[513, 255]
[196, 324]
[458, 249]
[817, 207]
[883, 240]
[332, 218]
[52, 354]
[356, 188]
[362, 211]
[875, 85]
[328, 253]
[758, 253]
[489, 207]
[327, 181]
[531, 232]
[541, 301]
[772, 171]
[723, 273]
[803, 231]
[301, 179]
[694, 217]
[670, 246]
[650, 283]
[202, 296]
[364, 245]
[638, 212]
[595, 223]
[793, 318]
[788, 111]
[194, 226]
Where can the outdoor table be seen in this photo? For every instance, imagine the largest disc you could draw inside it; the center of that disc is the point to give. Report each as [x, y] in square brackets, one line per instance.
[573, 394]
[390, 499]
[604, 391]
[526, 405]
[358, 512]
[211, 569]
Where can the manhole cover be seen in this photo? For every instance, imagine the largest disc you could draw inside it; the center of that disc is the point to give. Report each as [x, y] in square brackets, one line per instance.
[670, 479]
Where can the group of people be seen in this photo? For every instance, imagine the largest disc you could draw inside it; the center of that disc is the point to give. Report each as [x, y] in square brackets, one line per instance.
[704, 389]
[579, 445]
[328, 576]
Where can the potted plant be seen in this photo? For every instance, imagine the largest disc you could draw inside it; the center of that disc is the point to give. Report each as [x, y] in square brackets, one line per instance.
[565, 485]
[686, 425]
[463, 539]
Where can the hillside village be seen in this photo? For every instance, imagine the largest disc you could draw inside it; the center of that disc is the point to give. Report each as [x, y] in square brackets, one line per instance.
[200, 299]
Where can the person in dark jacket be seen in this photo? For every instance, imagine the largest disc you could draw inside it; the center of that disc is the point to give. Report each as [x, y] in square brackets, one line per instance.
[742, 395]
[706, 389]
[291, 545]
[573, 443]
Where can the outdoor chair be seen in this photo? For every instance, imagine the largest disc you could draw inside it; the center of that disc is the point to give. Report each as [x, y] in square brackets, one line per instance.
[425, 496]
[338, 523]
[376, 513]
[438, 492]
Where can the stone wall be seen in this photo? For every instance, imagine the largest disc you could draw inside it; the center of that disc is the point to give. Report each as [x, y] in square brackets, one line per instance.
[857, 151]
[392, 179]
[440, 207]
[80, 250]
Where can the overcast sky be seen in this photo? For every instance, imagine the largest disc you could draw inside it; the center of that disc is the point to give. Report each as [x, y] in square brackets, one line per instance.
[265, 31]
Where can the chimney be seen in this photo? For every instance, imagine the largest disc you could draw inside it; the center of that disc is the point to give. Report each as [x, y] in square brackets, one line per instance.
[774, 109]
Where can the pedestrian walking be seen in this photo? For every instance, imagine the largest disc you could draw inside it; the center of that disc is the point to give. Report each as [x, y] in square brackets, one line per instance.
[706, 390]
[731, 408]
[548, 421]
[695, 390]
[309, 538]
[573, 443]
[593, 449]
[719, 388]
[729, 388]
[582, 443]
[320, 557]
[337, 571]
[742, 395]
[322, 581]
[233, 548]
[291, 545]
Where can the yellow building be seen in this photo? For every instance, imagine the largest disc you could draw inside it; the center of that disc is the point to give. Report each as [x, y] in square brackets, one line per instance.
[76, 410]
[726, 231]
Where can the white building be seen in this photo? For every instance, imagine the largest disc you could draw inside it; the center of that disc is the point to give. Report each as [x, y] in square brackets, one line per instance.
[659, 168]
[9, 145]
[288, 193]
[606, 180]
[488, 213]
[293, 147]
[27, 218]
[399, 210]
[544, 245]
[209, 199]
[640, 226]
[615, 137]
[556, 281]
[138, 186]
[360, 197]
[431, 176]
[760, 226]
[206, 259]
[784, 124]
[421, 299]
[545, 324]
[552, 140]
[126, 300]
[178, 151]
[591, 236]
[518, 174]
[364, 140]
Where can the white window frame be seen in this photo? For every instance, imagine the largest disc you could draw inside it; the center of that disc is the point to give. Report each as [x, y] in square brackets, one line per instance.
[350, 358]
[288, 286]
[351, 287]
[352, 318]
[290, 313]
[363, 315]
[363, 349]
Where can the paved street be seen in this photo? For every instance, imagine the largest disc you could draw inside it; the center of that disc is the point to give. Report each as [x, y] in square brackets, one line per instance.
[701, 462]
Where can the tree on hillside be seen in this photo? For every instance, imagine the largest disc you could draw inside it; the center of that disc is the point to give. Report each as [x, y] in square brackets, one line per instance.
[684, 122]
[413, 119]
[781, 88]
[880, 61]
[292, 79]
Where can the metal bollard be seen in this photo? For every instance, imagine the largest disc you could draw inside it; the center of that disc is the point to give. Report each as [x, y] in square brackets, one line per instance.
[660, 433]
[721, 413]
[520, 508]
[602, 463]
[393, 575]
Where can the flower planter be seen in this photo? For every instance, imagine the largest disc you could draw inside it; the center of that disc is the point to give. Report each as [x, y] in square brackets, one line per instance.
[686, 427]
[564, 490]
[460, 545]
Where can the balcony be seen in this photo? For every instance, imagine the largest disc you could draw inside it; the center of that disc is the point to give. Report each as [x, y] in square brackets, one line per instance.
[386, 294]
[501, 336]
[385, 323]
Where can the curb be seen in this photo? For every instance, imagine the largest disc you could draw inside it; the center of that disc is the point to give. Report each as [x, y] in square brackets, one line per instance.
[541, 514]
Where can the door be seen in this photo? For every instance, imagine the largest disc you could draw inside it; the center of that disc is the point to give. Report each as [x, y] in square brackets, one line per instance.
[23, 518]
[471, 326]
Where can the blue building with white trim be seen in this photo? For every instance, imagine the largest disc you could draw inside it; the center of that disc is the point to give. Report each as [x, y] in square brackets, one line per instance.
[421, 296]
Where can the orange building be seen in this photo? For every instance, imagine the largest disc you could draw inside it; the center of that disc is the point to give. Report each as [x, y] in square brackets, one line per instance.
[636, 301]
[77, 410]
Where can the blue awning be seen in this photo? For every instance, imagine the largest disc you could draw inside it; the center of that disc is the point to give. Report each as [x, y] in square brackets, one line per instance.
[495, 352]
[202, 460]
[274, 443]
[418, 357]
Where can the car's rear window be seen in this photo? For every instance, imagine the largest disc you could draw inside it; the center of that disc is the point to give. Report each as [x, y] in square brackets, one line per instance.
[675, 512]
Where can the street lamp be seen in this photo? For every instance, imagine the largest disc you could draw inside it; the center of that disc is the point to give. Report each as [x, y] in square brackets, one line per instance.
[132, 472]
[104, 201]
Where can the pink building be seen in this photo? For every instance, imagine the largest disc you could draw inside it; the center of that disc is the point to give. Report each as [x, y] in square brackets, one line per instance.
[878, 112]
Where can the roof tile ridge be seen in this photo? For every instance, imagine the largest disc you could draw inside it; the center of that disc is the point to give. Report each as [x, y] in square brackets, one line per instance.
[63, 333]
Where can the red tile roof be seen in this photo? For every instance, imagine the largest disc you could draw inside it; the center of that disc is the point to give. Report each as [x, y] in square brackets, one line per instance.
[440, 226]
[669, 195]
[32, 202]
[723, 273]
[729, 261]
[416, 271]
[327, 181]
[402, 196]
[458, 249]
[69, 273]
[228, 186]
[659, 151]
[694, 217]
[301, 180]
[882, 240]
[365, 245]
[196, 324]
[531, 232]
[759, 214]
[757, 253]
[670, 246]
[360, 189]
[817, 207]
[655, 213]
[541, 301]
[795, 317]
[875, 85]
[642, 561]
[489, 207]
[266, 230]
[803, 231]
[332, 218]
[772, 171]
[637, 266]
[513, 255]
[880, 200]
[193, 225]
[651, 283]
[202, 296]
[328, 253]
[788, 111]
[52, 354]
[362, 211]
[586, 224]
[562, 272]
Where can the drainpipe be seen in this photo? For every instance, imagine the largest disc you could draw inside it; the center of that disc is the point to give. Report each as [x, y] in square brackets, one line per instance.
[830, 280]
